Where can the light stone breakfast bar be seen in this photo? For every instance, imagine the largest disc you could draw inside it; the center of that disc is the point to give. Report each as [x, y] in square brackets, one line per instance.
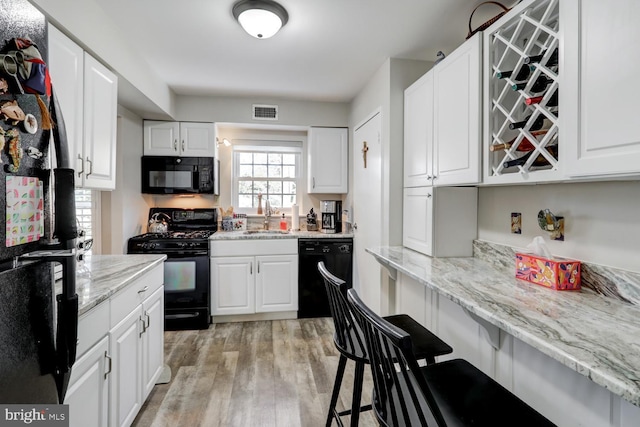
[595, 335]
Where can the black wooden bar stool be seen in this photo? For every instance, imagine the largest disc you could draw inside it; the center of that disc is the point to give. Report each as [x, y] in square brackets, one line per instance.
[350, 343]
[451, 393]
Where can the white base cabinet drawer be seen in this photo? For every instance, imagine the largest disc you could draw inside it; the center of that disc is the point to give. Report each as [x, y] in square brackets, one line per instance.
[92, 327]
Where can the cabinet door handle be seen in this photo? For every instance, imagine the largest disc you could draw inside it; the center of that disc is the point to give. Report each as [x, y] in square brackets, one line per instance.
[148, 321]
[183, 145]
[428, 195]
[81, 171]
[258, 267]
[175, 145]
[314, 182]
[90, 166]
[144, 326]
[143, 290]
[109, 364]
[251, 268]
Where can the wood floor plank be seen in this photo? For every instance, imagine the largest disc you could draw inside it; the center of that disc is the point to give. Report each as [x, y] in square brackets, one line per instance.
[254, 374]
[216, 413]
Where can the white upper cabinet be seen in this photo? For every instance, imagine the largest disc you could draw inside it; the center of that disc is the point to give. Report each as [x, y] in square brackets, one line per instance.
[189, 139]
[442, 111]
[456, 115]
[66, 66]
[328, 160]
[88, 96]
[418, 132]
[600, 132]
[100, 125]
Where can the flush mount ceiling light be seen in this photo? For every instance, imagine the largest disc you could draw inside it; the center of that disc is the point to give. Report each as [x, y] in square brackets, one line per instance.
[260, 18]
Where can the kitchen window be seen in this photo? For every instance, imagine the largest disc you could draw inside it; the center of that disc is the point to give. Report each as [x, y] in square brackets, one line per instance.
[270, 170]
[87, 214]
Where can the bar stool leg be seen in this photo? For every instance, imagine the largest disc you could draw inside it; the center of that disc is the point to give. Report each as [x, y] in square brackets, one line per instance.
[358, 379]
[336, 389]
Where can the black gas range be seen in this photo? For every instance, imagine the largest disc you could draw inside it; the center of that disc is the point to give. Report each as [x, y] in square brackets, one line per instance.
[171, 242]
[187, 300]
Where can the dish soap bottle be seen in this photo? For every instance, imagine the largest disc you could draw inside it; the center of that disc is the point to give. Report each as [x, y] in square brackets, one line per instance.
[283, 223]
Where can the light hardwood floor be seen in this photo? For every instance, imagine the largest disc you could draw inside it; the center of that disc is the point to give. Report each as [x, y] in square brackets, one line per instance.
[260, 374]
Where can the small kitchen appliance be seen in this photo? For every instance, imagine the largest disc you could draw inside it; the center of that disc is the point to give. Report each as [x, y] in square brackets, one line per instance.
[187, 303]
[180, 175]
[331, 211]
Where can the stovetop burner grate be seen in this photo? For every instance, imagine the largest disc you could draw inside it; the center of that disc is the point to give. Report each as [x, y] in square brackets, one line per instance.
[198, 234]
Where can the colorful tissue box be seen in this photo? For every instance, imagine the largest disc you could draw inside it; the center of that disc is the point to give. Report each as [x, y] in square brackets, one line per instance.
[559, 274]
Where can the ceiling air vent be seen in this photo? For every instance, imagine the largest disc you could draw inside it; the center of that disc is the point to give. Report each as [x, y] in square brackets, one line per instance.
[265, 112]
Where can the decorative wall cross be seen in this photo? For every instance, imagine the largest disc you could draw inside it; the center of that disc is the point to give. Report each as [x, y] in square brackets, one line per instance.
[364, 152]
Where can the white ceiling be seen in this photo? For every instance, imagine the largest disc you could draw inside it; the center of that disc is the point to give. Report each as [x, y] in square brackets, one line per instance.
[326, 52]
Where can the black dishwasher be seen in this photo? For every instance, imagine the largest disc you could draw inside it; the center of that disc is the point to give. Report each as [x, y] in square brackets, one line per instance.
[337, 254]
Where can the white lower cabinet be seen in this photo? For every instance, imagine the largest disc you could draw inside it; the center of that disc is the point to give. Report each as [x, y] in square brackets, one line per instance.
[88, 393]
[254, 276]
[120, 355]
[126, 351]
[232, 285]
[276, 283]
[137, 347]
[152, 341]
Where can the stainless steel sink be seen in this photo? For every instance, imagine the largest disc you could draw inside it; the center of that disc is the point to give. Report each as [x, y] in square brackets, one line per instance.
[266, 232]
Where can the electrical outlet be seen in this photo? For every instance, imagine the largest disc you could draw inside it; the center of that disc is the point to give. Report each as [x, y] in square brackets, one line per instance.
[516, 223]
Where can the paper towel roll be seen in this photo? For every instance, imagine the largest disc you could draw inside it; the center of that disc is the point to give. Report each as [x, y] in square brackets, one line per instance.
[295, 218]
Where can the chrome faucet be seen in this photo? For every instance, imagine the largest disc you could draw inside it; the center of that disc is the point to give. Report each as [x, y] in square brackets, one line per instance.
[267, 214]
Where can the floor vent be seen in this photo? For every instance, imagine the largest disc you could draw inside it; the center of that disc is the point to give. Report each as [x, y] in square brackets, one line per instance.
[265, 112]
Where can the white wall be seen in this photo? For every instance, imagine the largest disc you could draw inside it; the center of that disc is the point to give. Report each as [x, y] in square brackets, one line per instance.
[125, 210]
[238, 110]
[384, 91]
[602, 220]
[85, 23]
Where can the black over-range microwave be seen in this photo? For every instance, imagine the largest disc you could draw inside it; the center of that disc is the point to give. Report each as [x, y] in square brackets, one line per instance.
[180, 175]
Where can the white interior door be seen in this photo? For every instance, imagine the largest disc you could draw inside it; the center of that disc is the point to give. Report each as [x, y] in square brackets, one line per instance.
[367, 209]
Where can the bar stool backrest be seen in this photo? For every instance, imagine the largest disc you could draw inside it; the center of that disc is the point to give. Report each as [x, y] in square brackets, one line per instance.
[401, 395]
[348, 336]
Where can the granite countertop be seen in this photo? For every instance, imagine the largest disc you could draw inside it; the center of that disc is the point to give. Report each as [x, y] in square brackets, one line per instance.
[276, 234]
[100, 276]
[597, 336]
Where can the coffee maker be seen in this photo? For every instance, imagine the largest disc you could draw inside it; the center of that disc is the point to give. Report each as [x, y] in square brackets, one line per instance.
[331, 211]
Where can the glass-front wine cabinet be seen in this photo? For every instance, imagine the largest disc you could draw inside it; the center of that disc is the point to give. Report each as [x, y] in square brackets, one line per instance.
[522, 53]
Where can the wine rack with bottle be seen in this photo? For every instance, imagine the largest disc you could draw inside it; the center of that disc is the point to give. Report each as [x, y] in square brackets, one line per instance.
[522, 87]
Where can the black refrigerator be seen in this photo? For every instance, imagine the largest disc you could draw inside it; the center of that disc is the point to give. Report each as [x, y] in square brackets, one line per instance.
[38, 325]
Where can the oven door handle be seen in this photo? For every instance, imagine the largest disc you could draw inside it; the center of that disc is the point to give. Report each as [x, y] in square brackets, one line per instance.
[174, 255]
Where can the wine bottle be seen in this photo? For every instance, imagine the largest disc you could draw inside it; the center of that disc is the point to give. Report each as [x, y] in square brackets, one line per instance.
[539, 85]
[539, 161]
[551, 61]
[525, 144]
[552, 102]
[520, 75]
[541, 122]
